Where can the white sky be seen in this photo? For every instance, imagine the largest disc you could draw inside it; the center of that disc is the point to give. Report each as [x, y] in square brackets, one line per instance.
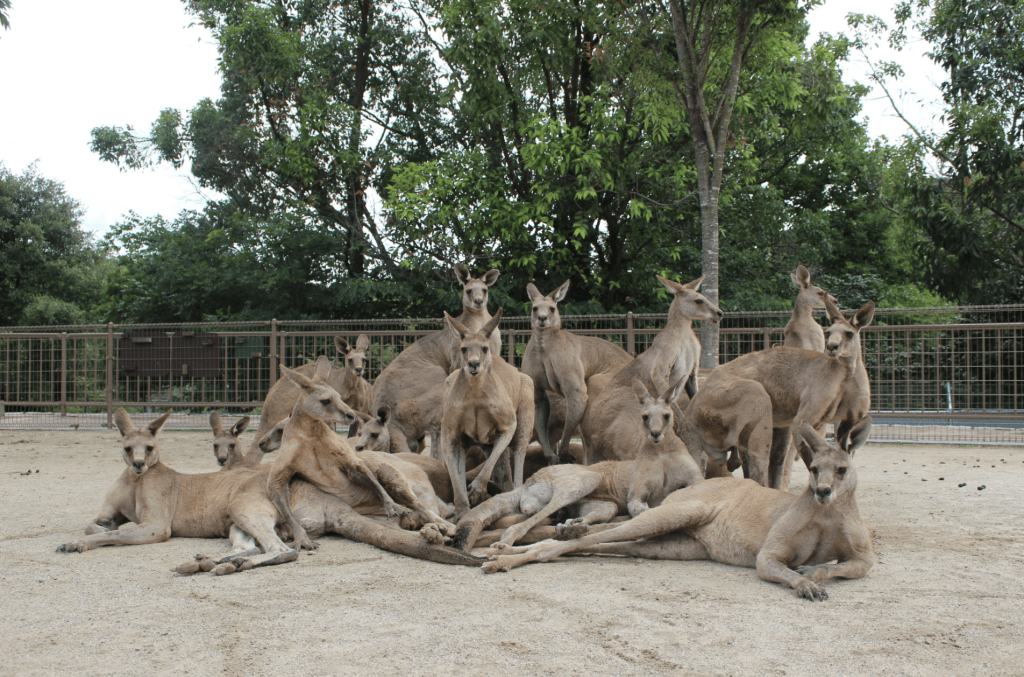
[67, 66]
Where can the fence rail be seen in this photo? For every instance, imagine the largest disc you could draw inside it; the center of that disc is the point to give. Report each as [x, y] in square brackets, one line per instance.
[953, 374]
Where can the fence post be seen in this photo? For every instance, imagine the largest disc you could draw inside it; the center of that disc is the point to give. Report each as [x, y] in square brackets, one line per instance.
[63, 373]
[767, 338]
[273, 352]
[110, 375]
[630, 335]
[512, 347]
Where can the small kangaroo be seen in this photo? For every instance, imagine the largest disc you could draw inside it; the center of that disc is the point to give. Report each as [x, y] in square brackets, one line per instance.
[788, 539]
[354, 388]
[226, 447]
[802, 330]
[601, 491]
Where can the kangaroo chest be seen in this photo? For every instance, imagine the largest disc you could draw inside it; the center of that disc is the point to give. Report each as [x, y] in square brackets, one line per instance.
[481, 423]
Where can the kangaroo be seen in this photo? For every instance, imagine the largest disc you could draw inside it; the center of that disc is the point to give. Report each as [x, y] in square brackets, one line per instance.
[311, 449]
[788, 539]
[284, 393]
[611, 423]
[820, 388]
[601, 491]
[354, 389]
[487, 401]
[413, 384]
[562, 363]
[226, 447]
[802, 330]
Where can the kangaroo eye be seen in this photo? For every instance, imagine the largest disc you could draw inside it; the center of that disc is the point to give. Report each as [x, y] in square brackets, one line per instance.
[534, 310]
[849, 334]
[821, 293]
[149, 448]
[815, 471]
[841, 471]
[463, 351]
[699, 302]
[374, 436]
[644, 417]
[128, 450]
[231, 447]
[485, 351]
[325, 401]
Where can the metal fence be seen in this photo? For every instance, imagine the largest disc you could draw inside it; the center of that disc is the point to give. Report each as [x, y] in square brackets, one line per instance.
[950, 374]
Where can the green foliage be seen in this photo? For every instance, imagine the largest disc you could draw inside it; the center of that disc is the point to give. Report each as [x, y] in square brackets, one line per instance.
[50, 273]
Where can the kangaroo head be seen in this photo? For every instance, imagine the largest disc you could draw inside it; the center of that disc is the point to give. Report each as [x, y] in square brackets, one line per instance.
[545, 308]
[832, 476]
[475, 289]
[372, 432]
[690, 303]
[657, 413]
[271, 441]
[355, 357]
[139, 449]
[842, 339]
[226, 447]
[318, 399]
[475, 347]
[810, 294]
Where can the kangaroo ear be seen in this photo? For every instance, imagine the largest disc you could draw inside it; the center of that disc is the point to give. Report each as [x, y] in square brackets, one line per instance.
[240, 426]
[802, 278]
[560, 293]
[492, 324]
[859, 434]
[353, 428]
[154, 426]
[462, 273]
[459, 328]
[123, 422]
[640, 390]
[671, 285]
[695, 285]
[341, 345]
[863, 317]
[215, 423]
[833, 311]
[533, 293]
[491, 276]
[811, 440]
[322, 370]
[295, 377]
[362, 343]
[674, 391]
[384, 415]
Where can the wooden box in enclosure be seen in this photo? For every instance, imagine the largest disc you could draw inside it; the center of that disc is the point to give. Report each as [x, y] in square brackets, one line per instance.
[180, 354]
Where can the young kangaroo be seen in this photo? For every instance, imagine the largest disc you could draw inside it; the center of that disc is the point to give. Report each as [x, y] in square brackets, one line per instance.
[788, 539]
[226, 447]
[802, 330]
[611, 423]
[413, 384]
[601, 491]
[486, 402]
[562, 363]
[311, 449]
[355, 391]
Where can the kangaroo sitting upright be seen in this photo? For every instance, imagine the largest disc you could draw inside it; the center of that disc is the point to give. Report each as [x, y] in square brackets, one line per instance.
[788, 539]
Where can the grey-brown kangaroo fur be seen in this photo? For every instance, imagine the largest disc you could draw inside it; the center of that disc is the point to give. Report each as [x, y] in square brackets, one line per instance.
[611, 423]
[598, 492]
[487, 402]
[561, 363]
[788, 539]
[802, 330]
[413, 384]
[227, 448]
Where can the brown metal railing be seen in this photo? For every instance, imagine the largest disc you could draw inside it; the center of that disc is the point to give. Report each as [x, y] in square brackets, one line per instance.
[938, 374]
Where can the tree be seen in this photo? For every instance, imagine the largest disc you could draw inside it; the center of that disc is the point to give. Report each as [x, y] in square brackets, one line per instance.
[5, 10]
[50, 273]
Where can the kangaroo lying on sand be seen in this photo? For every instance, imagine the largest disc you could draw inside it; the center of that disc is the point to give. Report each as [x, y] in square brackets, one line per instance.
[487, 402]
[739, 522]
[600, 491]
[561, 363]
[323, 458]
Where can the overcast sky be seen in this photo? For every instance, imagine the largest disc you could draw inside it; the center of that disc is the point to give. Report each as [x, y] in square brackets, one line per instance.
[67, 66]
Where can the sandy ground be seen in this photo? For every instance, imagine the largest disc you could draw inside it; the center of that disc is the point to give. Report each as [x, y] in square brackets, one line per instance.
[945, 597]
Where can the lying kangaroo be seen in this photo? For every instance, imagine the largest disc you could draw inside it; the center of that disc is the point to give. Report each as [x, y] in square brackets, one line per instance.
[611, 423]
[819, 388]
[413, 384]
[226, 447]
[739, 522]
[802, 330]
[487, 402]
[283, 394]
[311, 449]
[600, 491]
[562, 363]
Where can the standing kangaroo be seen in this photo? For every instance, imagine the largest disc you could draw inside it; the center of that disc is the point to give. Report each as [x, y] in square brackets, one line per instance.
[354, 389]
[413, 384]
[562, 363]
[611, 423]
[486, 402]
[788, 539]
[598, 492]
[802, 330]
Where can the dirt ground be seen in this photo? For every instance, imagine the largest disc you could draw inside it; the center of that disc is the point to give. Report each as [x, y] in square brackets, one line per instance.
[945, 597]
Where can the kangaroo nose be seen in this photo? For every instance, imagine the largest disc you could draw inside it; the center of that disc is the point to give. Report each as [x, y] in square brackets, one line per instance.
[824, 492]
[350, 417]
[221, 461]
[138, 465]
[720, 314]
[360, 447]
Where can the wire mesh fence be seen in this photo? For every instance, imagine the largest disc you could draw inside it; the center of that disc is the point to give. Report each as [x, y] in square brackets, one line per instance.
[949, 374]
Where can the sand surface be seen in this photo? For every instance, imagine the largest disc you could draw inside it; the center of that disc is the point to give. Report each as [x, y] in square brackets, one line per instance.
[945, 597]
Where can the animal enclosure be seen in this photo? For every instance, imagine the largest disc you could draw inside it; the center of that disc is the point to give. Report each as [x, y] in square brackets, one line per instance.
[948, 374]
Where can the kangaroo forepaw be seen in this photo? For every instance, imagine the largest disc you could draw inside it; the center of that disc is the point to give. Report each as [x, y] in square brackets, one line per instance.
[304, 544]
[436, 534]
[811, 591]
[477, 494]
[571, 530]
[76, 546]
